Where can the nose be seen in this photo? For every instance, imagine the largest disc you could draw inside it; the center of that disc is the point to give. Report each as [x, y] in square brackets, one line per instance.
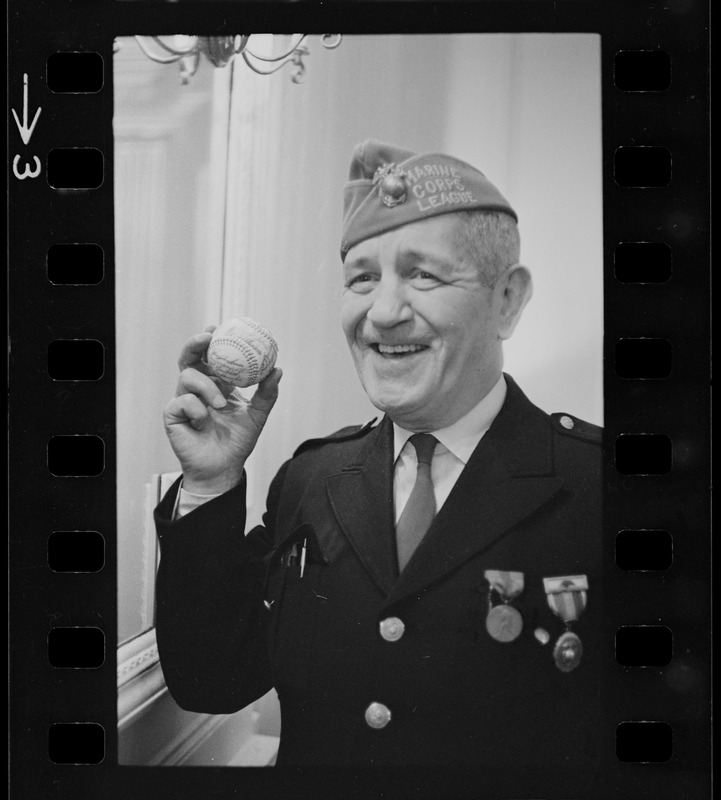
[390, 305]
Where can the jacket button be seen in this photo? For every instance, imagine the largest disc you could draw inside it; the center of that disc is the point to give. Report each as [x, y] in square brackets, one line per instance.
[567, 422]
[377, 715]
[392, 629]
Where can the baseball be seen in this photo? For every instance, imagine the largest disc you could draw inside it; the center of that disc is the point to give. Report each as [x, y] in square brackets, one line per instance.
[241, 352]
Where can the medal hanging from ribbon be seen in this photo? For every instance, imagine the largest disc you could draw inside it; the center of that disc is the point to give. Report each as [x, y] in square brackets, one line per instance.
[504, 623]
[567, 598]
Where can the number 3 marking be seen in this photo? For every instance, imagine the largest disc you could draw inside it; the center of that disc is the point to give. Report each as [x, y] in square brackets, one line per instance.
[27, 173]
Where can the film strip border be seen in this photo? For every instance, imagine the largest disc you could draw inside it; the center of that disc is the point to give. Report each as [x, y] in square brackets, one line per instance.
[62, 380]
[656, 338]
[659, 394]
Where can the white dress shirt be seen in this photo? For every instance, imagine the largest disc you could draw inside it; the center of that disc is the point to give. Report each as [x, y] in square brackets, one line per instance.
[186, 502]
[454, 448]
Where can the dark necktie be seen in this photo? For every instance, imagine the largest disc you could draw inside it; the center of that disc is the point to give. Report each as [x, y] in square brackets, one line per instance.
[420, 509]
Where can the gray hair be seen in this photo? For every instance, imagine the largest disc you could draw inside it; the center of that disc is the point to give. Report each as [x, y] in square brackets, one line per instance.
[491, 240]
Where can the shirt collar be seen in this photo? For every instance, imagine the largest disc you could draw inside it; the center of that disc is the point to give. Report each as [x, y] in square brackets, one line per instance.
[462, 437]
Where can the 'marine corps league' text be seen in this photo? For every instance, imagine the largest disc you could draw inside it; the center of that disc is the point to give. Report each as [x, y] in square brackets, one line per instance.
[435, 185]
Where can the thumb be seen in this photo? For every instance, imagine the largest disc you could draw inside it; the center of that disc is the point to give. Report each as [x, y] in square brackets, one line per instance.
[267, 392]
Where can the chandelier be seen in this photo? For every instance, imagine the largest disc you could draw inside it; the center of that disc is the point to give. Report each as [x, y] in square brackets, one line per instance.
[221, 50]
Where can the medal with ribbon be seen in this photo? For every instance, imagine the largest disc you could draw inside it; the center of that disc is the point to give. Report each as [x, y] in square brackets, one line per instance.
[567, 596]
[504, 623]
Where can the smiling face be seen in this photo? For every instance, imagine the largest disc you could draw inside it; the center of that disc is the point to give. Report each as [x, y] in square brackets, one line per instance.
[424, 332]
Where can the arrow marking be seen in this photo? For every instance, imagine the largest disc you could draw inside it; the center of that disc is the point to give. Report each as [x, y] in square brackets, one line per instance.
[25, 131]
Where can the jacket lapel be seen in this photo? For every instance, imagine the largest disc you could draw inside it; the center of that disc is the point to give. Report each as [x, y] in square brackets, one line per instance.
[509, 476]
[361, 496]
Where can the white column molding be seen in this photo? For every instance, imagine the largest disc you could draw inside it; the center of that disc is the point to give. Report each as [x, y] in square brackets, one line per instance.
[140, 679]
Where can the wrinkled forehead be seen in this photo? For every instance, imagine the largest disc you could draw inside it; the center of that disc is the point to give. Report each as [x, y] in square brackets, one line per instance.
[434, 239]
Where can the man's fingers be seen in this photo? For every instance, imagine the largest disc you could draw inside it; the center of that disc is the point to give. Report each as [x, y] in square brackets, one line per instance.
[193, 351]
[186, 408]
[193, 382]
[226, 389]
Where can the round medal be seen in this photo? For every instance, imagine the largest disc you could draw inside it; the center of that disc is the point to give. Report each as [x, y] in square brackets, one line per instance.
[504, 623]
[567, 652]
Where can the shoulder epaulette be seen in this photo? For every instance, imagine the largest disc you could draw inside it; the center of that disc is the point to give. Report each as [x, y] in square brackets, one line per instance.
[569, 425]
[343, 435]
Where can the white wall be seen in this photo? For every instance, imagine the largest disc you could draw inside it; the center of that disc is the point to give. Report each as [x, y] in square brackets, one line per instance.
[528, 113]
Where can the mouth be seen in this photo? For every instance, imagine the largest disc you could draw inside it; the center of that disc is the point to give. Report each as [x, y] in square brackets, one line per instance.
[397, 350]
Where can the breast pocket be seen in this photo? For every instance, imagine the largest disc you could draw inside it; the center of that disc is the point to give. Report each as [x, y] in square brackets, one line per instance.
[295, 602]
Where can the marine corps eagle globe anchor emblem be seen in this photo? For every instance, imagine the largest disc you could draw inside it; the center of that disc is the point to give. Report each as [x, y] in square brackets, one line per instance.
[392, 186]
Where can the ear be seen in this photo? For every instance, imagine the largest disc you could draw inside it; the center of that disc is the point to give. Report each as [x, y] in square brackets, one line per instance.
[516, 288]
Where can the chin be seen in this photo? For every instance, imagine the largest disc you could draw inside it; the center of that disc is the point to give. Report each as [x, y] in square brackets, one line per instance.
[397, 403]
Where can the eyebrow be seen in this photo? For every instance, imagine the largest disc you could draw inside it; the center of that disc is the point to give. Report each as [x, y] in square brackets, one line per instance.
[358, 263]
[412, 256]
[415, 256]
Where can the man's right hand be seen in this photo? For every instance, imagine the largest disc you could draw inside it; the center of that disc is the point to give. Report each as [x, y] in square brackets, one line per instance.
[211, 427]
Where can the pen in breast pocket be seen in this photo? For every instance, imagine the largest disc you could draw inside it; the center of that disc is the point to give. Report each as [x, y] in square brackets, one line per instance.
[302, 557]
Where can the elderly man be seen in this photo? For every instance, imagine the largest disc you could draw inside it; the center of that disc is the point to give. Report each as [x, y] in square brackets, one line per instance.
[423, 591]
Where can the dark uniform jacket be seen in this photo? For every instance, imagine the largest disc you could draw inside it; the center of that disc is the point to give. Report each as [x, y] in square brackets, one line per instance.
[236, 617]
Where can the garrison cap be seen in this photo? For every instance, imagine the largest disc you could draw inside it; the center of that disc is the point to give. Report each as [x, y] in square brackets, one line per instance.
[389, 187]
